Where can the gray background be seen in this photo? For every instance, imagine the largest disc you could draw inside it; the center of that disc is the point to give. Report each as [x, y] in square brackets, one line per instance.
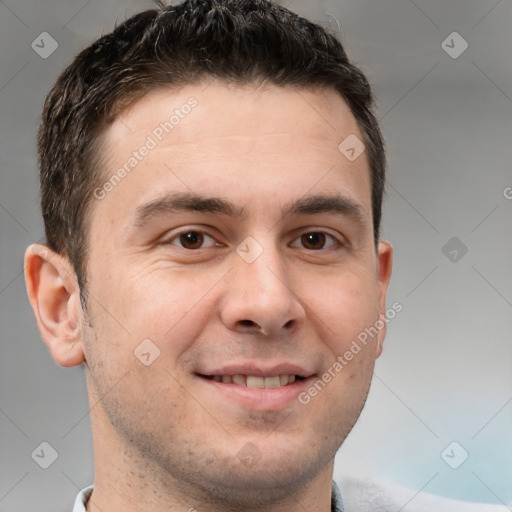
[445, 372]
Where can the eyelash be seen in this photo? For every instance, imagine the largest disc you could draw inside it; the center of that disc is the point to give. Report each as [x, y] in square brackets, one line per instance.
[334, 241]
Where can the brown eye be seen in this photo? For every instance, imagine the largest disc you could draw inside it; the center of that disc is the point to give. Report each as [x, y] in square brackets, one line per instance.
[313, 241]
[316, 241]
[193, 240]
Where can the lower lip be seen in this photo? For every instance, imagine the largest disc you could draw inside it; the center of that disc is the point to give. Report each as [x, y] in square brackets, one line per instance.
[272, 399]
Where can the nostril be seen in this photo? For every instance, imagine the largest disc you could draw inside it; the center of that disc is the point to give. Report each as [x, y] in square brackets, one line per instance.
[247, 323]
[289, 324]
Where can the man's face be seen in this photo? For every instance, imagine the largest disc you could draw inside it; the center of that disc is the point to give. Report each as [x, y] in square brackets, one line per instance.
[240, 244]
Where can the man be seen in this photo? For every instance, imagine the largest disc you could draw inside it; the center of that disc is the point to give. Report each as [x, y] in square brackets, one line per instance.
[212, 178]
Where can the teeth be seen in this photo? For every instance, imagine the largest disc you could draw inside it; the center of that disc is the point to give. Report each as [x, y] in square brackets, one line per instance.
[255, 382]
[240, 380]
[252, 381]
[272, 382]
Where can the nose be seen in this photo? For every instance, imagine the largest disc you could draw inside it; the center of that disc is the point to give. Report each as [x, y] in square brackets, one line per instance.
[260, 297]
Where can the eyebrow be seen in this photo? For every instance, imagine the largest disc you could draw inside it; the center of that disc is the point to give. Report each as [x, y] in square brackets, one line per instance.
[173, 203]
[308, 205]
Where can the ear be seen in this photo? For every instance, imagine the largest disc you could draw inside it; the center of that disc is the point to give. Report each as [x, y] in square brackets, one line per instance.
[54, 294]
[384, 267]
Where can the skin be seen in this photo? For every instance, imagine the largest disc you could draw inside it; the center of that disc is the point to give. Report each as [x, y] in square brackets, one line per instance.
[164, 437]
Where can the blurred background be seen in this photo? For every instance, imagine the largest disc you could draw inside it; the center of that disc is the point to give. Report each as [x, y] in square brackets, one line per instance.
[438, 419]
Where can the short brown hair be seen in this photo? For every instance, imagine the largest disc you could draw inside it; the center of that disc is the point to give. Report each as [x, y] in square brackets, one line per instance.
[238, 41]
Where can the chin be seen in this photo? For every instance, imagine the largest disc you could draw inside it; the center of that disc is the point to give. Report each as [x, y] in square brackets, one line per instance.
[263, 476]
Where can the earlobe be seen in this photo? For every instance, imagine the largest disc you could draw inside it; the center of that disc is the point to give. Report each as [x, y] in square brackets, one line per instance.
[54, 295]
[385, 264]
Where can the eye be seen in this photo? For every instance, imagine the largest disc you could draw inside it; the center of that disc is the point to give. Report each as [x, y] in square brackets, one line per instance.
[315, 241]
[193, 240]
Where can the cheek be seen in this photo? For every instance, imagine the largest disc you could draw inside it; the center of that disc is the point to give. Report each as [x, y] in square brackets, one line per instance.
[168, 307]
[144, 402]
[132, 294]
[342, 307]
[131, 388]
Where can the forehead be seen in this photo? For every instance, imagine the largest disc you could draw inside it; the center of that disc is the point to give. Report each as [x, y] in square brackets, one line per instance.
[314, 105]
[219, 136]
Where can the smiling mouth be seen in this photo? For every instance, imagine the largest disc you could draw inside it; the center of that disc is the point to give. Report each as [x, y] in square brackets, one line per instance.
[254, 381]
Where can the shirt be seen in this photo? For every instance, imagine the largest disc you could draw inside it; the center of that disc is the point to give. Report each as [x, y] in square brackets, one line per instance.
[84, 494]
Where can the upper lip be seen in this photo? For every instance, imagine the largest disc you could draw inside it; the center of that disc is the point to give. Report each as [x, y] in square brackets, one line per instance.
[259, 370]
